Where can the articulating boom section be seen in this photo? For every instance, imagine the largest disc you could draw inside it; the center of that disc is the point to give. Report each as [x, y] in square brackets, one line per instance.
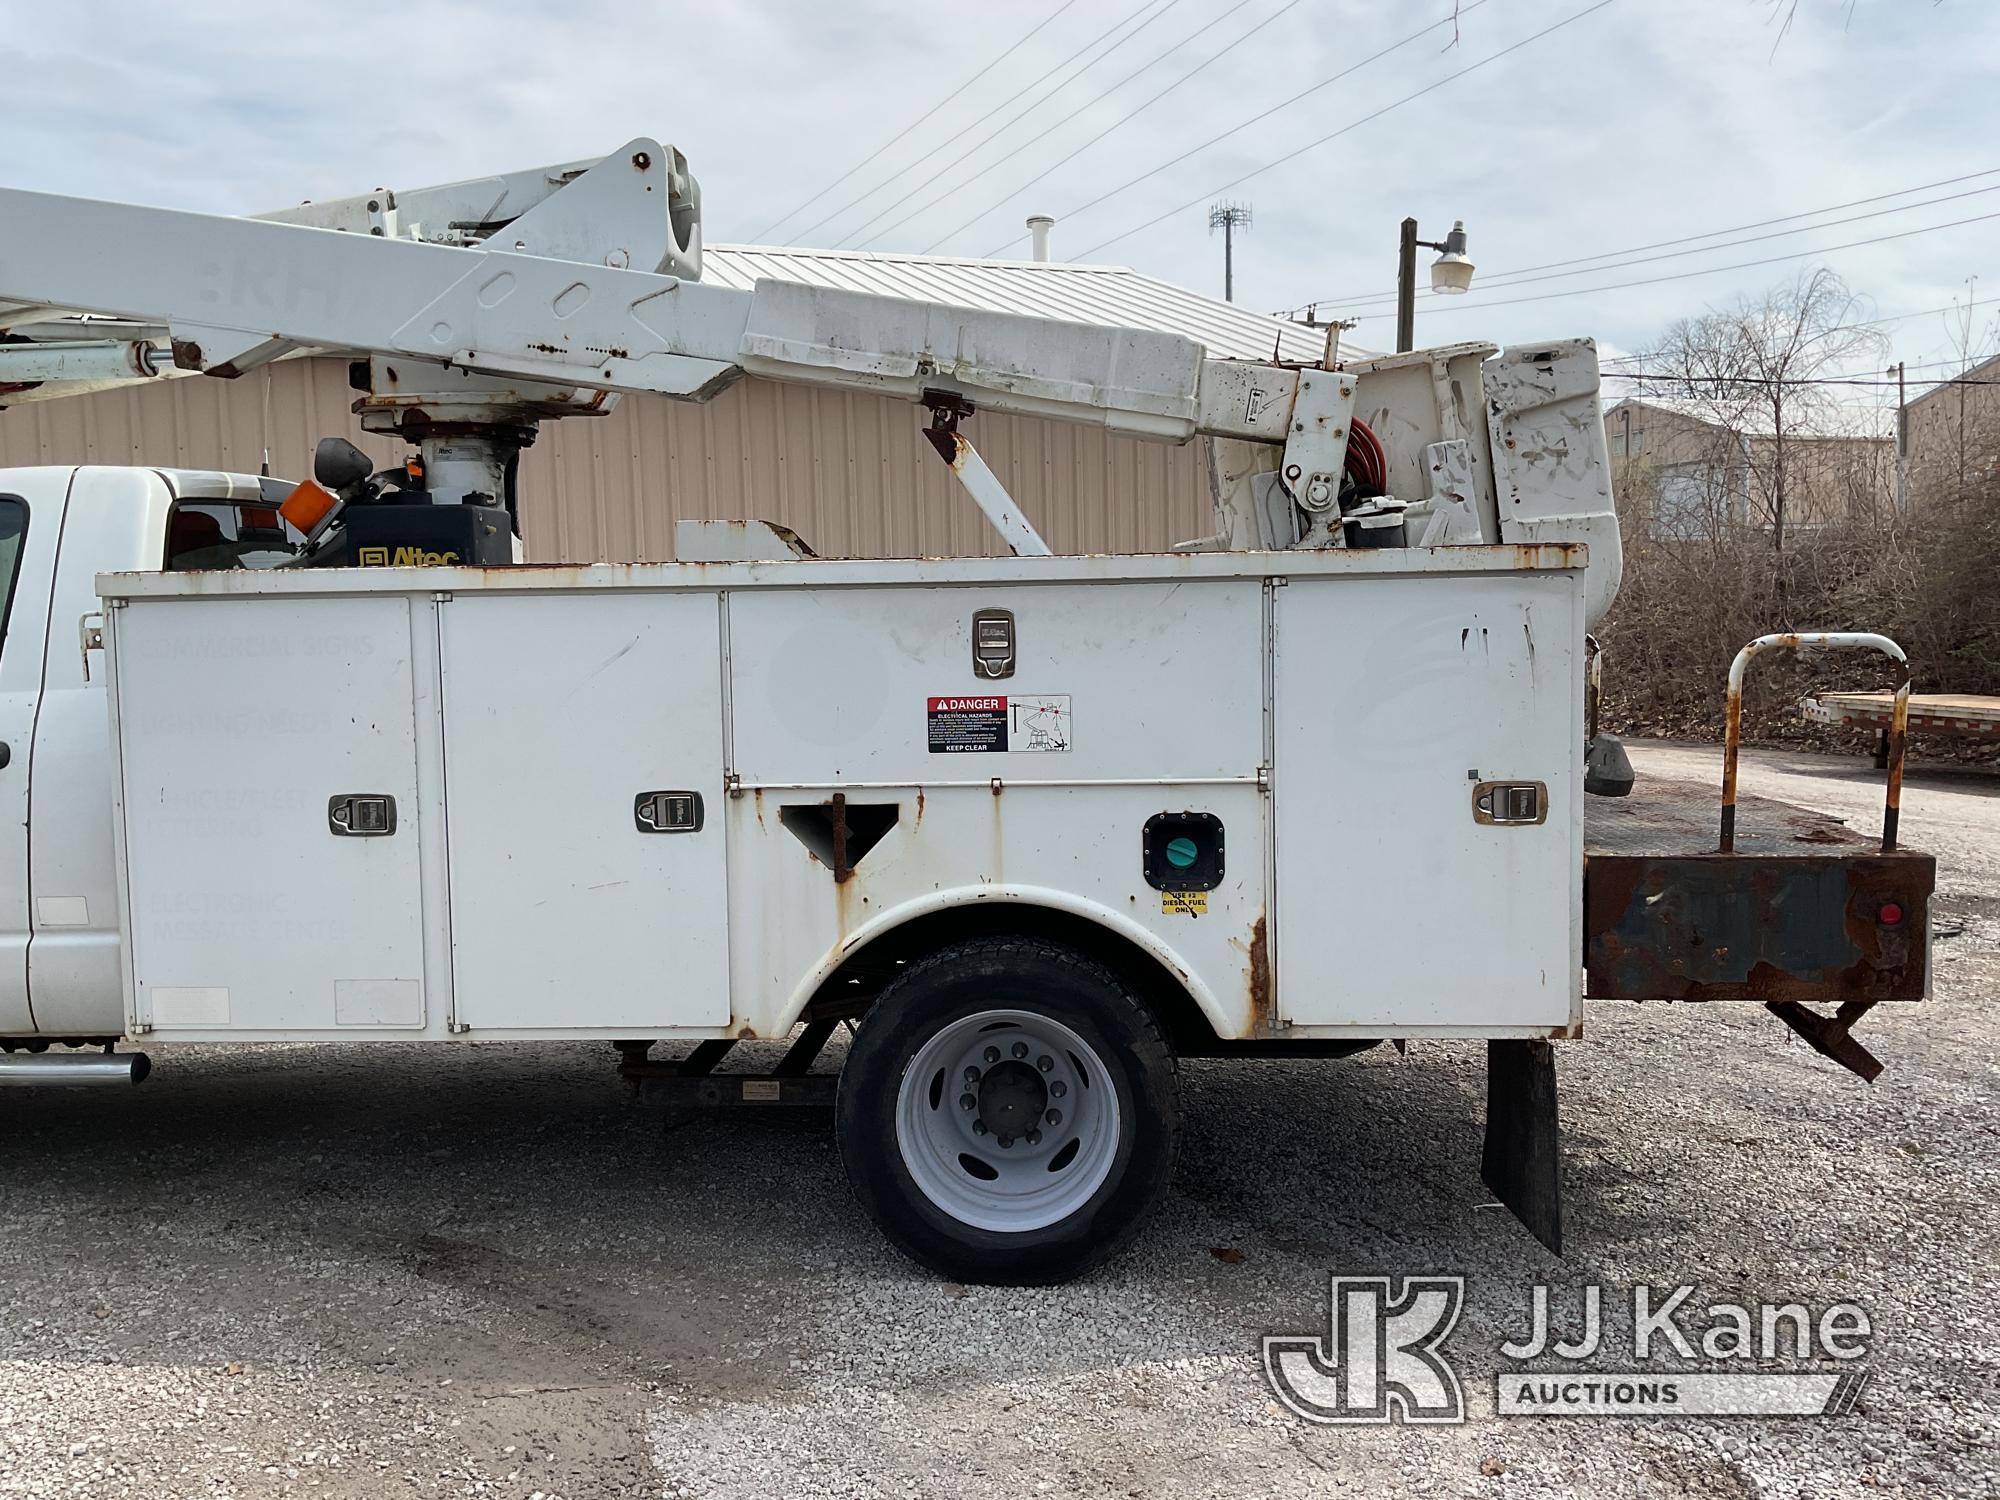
[487, 306]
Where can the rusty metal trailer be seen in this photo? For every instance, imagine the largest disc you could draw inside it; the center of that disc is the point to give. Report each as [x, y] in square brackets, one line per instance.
[1955, 715]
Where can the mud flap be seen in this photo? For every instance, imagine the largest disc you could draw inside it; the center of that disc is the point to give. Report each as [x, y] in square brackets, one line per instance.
[1522, 1160]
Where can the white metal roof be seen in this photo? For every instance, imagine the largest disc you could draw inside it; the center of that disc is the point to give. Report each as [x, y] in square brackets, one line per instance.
[1116, 296]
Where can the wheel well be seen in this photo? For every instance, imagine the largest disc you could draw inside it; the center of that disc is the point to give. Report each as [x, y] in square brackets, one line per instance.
[850, 989]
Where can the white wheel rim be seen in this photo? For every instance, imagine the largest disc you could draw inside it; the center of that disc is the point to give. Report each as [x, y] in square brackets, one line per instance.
[1031, 1082]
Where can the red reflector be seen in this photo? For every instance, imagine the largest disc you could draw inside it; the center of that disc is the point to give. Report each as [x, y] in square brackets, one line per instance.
[1890, 914]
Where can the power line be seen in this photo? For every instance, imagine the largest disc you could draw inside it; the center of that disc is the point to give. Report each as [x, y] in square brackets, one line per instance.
[1843, 375]
[1460, 305]
[934, 172]
[1696, 382]
[948, 98]
[1810, 213]
[968, 127]
[1351, 125]
[1212, 59]
[1520, 279]
[1265, 115]
[1903, 317]
[1155, 61]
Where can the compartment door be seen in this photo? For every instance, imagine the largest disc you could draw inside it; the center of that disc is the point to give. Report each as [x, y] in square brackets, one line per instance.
[575, 907]
[242, 722]
[1395, 700]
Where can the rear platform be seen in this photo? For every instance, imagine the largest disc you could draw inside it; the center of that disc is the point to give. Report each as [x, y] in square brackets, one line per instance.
[1805, 910]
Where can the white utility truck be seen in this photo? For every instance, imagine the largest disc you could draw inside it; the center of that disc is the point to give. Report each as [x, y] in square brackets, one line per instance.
[1036, 826]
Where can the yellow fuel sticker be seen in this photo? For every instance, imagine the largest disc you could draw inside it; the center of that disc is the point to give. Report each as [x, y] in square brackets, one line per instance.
[1188, 903]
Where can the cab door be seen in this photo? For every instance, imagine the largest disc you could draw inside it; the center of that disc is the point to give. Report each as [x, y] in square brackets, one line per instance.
[115, 520]
[31, 507]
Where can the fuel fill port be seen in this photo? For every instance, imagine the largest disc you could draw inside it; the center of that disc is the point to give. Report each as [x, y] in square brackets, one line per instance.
[1182, 851]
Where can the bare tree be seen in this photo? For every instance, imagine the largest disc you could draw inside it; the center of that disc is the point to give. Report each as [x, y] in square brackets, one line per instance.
[1754, 376]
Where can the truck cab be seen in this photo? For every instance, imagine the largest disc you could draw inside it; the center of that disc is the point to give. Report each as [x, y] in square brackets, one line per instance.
[60, 526]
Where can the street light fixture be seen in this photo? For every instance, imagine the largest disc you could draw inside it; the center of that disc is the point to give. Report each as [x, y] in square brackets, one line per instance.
[1451, 273]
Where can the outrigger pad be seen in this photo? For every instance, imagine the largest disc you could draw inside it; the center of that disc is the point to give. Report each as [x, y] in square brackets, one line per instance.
[1522, 1160]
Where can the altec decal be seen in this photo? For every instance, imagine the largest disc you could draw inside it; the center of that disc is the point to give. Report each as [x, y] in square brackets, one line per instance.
[404, 557]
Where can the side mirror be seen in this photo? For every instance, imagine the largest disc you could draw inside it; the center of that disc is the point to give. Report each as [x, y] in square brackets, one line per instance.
[1607, 769]
[337, 463]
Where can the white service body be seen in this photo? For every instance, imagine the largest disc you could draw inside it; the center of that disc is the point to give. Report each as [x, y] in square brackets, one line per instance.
[1334, 709]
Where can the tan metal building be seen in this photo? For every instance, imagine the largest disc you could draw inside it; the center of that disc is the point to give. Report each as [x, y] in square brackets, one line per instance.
[850, 473]
[1953, 433]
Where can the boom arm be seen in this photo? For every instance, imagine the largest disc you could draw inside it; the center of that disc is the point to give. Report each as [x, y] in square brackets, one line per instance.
[489, 305]
[578, 292]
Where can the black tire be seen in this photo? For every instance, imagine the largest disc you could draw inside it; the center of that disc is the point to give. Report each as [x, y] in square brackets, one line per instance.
[1042, 978]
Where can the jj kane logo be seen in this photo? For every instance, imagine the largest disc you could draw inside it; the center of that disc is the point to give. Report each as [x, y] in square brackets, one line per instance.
[1382, 1357]
[1380, 1360]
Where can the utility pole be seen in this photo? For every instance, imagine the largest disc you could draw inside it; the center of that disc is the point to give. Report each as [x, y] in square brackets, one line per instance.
[1902, 442]
[1406, 288]
[1226, 216]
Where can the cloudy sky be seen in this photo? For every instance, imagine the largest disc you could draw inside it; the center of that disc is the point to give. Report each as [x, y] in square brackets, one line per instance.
[1559, 130]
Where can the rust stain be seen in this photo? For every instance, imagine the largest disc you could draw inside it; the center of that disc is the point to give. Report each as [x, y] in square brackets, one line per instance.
[843, 869]
[187, 354]
[920, 804]
[1263, 1012]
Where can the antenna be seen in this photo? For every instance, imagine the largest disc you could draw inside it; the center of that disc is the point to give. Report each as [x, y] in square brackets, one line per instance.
[1226, 217]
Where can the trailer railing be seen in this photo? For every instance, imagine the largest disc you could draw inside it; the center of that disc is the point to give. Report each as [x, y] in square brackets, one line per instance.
[1834, 640]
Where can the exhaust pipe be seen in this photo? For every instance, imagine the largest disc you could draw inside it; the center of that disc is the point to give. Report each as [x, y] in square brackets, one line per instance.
[1039, 226]
[72, 1069]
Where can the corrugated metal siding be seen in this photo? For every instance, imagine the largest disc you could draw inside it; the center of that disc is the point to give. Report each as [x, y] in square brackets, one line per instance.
[1115, 296]
[849, 472]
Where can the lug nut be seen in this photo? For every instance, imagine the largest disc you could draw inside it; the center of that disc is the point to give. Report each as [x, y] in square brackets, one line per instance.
[967, 1102]
[993, 1054]
[1020, 1049]
[1054, 1117]
[1005, 1141]
[972, 1075]
[979, 1127]
[1045, 1062]
[1058, 1088]
[1034, 1138]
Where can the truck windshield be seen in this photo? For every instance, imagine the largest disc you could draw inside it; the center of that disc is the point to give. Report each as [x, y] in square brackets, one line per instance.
[208, 534]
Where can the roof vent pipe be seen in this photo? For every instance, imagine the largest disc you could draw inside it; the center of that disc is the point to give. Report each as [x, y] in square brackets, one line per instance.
[1039, 226]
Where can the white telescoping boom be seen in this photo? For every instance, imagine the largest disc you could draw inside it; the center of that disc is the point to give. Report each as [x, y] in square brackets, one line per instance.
[488, 305]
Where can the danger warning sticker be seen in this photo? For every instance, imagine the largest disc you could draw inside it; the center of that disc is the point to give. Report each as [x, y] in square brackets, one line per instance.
[981, 724]
[963, 724]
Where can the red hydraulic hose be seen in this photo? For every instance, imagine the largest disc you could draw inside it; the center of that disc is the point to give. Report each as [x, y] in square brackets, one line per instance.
[1366, 460]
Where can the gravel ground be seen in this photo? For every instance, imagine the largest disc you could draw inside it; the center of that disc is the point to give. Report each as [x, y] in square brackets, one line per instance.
[476, 1271]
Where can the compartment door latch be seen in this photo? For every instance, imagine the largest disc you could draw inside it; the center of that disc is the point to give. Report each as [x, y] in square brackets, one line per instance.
[361, 815]
[667, 812]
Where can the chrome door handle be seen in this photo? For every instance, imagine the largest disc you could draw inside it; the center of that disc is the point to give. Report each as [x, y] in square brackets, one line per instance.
[668, 812]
